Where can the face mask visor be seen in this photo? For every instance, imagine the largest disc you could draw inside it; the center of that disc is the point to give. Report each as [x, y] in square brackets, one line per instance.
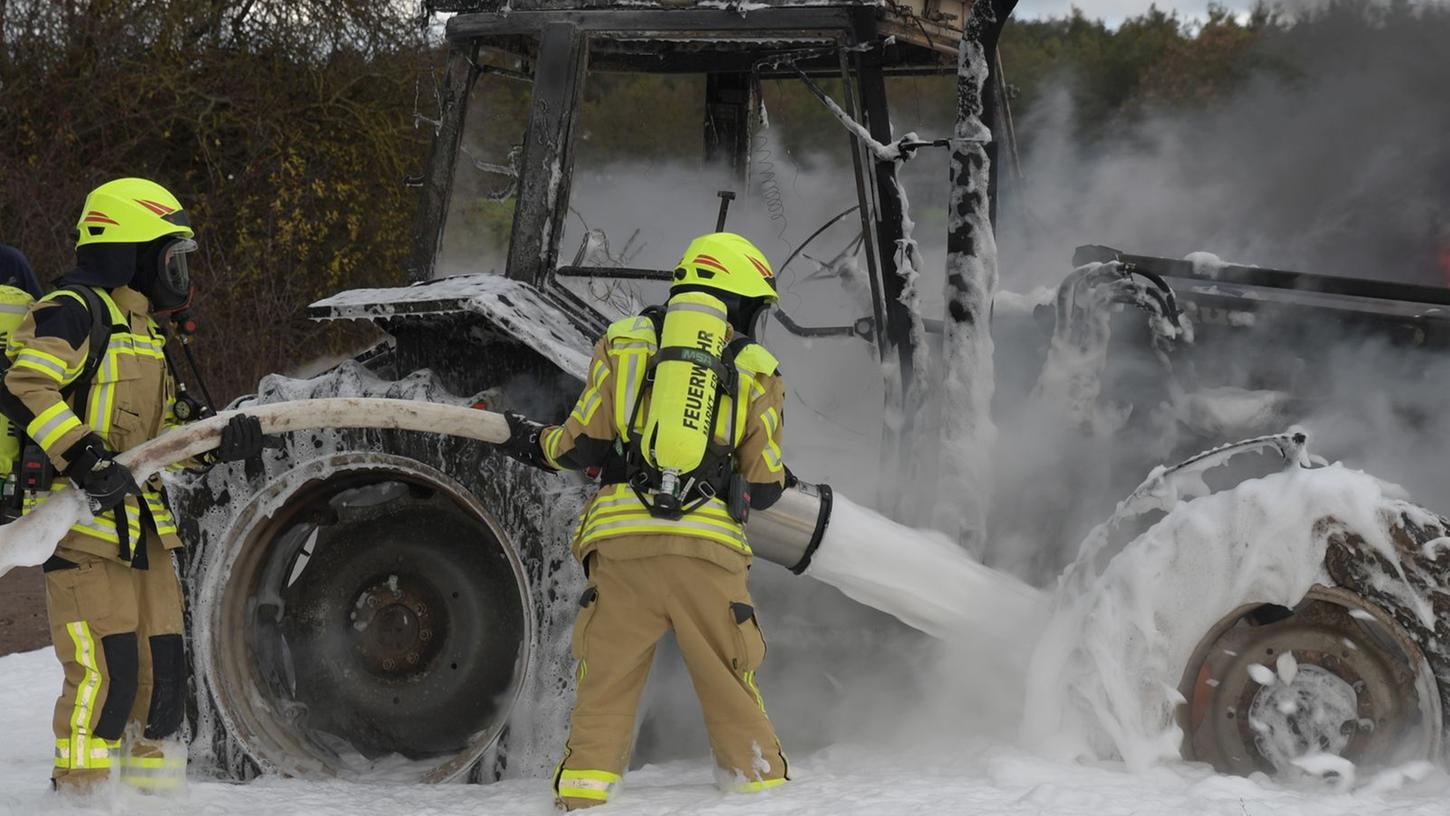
[756, 312]
[173, 281]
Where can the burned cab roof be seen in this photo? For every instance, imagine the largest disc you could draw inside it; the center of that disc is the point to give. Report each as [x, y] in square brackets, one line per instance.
[928, 30]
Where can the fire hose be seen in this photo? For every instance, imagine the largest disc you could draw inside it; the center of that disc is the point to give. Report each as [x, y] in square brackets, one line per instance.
[787, 533]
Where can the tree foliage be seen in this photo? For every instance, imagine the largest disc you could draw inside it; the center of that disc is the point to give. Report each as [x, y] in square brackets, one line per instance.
[284, 127]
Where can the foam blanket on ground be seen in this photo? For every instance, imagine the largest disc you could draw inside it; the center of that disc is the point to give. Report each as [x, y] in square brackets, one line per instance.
[927, 777]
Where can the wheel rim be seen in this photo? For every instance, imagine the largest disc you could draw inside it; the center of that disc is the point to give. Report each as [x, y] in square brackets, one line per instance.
[1336, 675]
[369, 614]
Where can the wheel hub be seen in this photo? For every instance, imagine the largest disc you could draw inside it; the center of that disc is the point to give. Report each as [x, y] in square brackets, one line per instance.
[1336, 675]
[1314, 711]
[398, 625]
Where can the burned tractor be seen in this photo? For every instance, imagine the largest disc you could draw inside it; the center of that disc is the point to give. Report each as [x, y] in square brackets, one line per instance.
[394, 603]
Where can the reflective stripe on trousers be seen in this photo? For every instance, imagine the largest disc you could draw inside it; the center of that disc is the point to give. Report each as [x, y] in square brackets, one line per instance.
[83, 750]
[597, 786]
[95, 753]
[153, 772]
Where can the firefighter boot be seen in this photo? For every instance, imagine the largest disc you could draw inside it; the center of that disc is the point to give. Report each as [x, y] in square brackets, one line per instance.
[154, 766]
[80, 783]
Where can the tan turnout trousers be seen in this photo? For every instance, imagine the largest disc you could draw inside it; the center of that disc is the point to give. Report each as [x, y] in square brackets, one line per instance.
[628, 605]
[117, 631]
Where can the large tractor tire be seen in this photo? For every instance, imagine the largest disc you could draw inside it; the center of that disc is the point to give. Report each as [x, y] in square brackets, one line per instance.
[1294, 624]
[1361, 669]
[378, 604]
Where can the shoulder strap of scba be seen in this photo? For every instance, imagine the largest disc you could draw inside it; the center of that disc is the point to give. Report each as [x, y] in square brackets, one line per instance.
[105, 318]
[104, 313]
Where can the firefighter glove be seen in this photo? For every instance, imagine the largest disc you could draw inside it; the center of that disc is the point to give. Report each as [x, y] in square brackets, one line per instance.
[523, 441]
[96, 471]
[242, 438]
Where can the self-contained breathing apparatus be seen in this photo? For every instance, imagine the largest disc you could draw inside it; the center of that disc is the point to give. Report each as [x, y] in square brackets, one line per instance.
[30, 471]
[673, 462]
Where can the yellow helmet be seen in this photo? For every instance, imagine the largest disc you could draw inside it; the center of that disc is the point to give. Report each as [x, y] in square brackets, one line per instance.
[726, 262]
[131, 211]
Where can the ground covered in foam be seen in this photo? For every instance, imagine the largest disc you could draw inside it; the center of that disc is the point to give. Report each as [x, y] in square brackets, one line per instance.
[935, 776]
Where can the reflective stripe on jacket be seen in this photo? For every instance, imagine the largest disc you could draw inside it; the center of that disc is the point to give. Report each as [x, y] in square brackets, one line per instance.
[130, 401]
[750, 421]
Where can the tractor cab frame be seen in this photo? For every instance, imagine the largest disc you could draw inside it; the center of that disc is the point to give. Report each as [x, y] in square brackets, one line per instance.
[554, 46]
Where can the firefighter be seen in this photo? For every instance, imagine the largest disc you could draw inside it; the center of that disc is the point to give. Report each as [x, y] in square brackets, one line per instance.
[681, 417]
[18, 289]
[87, 379]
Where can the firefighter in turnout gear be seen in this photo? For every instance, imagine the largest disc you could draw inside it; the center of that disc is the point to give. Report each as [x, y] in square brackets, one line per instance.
[681, 419]
[85, 379]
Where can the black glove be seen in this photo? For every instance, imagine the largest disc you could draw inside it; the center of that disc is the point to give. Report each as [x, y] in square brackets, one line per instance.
[96, 471]
[523, 441]
[790, 478]
[241, 439]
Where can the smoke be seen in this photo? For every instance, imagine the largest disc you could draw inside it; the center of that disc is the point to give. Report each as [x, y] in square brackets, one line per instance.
[1329, 156]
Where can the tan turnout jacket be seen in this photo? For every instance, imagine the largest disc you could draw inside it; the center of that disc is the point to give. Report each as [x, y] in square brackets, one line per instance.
[131, 401]
[614, 517]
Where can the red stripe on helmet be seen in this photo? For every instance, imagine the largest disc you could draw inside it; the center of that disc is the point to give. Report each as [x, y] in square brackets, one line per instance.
[94, 217]
[159, 209]
[760, 267]
[706, 260]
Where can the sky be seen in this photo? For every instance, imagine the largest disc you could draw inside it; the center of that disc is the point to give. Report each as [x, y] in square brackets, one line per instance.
[1113, 11]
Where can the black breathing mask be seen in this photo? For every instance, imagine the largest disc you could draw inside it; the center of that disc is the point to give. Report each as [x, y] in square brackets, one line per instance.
[171, 287]
[752, 312]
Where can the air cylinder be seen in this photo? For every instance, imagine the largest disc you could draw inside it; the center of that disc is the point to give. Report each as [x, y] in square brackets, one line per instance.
[681, 415]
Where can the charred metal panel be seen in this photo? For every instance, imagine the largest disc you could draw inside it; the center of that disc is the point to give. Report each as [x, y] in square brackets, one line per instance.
[548, 160]
[1297, 304]
[729, 102]
[443, 156]
[652, 22]
[1263, 276]
[487, 307]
